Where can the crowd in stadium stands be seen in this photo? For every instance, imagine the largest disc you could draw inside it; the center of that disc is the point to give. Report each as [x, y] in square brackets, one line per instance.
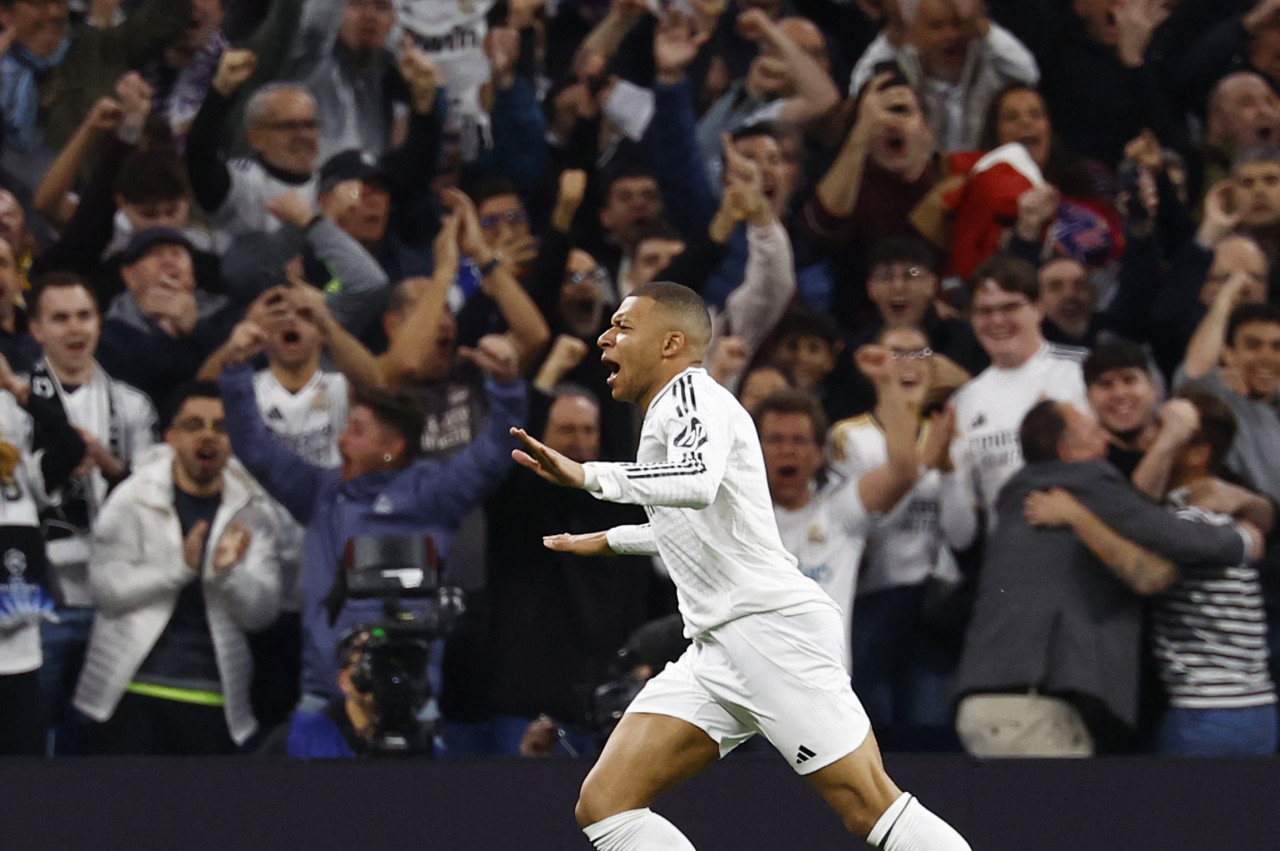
[999, 282]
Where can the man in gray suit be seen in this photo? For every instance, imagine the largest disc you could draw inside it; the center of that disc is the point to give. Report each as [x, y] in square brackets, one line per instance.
[1051, 655]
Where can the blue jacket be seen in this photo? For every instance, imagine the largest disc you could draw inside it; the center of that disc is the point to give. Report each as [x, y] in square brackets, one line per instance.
[427, 497]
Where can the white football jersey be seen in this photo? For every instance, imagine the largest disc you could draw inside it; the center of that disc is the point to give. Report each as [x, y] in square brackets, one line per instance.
[244, 208]
[453, 33]
[309, 421]
[827, 536]
[699, 473]
[904, 545]
[989, 411]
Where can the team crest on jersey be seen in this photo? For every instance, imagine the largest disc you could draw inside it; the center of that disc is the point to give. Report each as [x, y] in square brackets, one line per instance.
[693, 436]
[382, 505]
[817, 535]
[320, 402]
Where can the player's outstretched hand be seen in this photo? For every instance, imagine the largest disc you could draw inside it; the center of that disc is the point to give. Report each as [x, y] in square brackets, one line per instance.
[547, 462]
[587, 544]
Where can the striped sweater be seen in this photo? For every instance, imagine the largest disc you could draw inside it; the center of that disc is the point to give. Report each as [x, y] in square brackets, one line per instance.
[1210, 631]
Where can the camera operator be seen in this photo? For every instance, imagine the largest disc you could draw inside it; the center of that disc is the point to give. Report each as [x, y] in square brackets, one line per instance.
[382, 488]
[350, 724]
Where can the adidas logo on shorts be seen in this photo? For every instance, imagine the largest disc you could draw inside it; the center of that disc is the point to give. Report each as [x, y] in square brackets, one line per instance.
[804, 755]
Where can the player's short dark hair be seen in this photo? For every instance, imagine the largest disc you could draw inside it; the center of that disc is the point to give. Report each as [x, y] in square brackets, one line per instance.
[399, 410]
[902, 249]
[792, 401]
[1247, 314]
[1120, 354]
[681, 301]
[152, 176]
[56, 279]
[1010, 274]
[1217, 423]
[187, 390]
[1041, 431]
[806, 322]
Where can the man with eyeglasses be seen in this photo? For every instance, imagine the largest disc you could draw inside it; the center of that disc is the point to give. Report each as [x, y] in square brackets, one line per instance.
[902, 285]
[1004, 298]
[901, 668]
[504, 221]
[50, 78]
[168, 665]
[282, 123]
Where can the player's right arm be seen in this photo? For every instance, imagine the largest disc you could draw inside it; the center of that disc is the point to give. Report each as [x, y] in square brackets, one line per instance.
[699, 437]
[620, 540]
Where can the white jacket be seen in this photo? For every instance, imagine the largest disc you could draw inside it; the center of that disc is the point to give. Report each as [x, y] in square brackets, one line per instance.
[136, 571]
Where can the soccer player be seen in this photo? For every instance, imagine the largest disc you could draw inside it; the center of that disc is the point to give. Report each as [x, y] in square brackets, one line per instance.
[767, 654]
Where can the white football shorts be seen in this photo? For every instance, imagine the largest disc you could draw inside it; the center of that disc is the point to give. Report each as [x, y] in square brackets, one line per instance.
[779, 674]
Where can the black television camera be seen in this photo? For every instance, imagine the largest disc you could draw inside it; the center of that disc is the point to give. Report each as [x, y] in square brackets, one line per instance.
[388, 657]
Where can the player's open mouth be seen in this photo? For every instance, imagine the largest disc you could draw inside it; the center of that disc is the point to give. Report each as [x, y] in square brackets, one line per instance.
[207, 453]
[613, 369]
[291, 338]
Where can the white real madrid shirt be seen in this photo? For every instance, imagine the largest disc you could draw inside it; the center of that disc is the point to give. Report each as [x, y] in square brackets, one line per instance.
[904, 545]
[699, 473]
[453, 33]
[989, 411]
[309, 421]
[827, 535]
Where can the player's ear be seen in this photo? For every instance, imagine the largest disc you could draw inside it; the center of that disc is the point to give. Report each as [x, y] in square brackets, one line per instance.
[672, 343]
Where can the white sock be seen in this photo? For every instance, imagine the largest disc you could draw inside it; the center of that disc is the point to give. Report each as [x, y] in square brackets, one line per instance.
[909, 826]
[636, 830]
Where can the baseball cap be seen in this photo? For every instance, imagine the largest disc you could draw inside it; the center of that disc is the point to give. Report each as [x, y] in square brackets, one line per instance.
[143, 241]
[351, 164]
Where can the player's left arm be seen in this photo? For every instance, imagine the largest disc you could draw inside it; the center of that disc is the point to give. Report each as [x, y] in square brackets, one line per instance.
[620, 540]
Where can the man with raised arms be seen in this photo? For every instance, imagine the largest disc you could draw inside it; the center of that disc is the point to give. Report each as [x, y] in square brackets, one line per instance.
[767, 654]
